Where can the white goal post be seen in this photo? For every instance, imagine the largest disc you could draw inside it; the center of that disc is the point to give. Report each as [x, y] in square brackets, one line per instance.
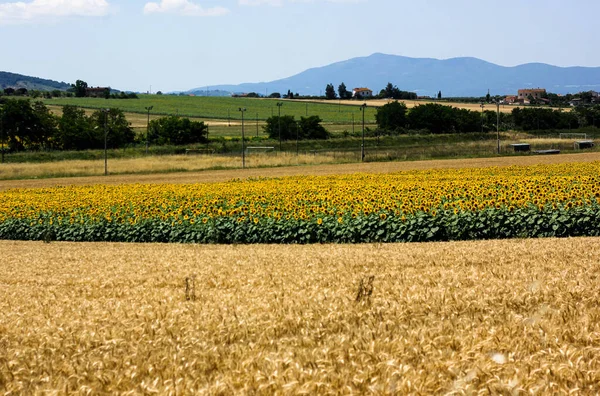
[259, 149]
[578, 136]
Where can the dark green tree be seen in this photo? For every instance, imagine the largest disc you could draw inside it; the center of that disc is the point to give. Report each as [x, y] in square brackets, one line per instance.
[76, 131]
[80, 87]
[392, 92]
[26, 126]
[432, 116]
[311, 128]
[119, 130]
[177, 131]
[343, 92]
[288, 127]
[330, 92]
[439, 96]
[391, 116]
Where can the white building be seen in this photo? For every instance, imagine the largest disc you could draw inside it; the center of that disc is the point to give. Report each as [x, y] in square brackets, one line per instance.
[362, 93]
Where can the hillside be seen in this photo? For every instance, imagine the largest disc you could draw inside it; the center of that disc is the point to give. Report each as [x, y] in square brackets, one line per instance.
[426, 76]
[13, 80]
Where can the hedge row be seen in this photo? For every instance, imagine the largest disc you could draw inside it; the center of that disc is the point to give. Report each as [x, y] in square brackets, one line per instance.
[528, 222]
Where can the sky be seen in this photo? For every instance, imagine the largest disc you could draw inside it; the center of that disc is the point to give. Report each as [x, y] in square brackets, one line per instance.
[172, 45]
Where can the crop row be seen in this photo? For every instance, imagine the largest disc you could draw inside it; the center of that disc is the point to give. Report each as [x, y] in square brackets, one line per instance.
[478, 203]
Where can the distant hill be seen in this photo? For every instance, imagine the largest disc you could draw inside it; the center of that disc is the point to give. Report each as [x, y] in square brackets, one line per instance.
[454, 77]
[13, 80]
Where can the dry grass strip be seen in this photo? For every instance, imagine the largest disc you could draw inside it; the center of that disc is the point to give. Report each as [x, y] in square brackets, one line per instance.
[331, 169]
[504, 317]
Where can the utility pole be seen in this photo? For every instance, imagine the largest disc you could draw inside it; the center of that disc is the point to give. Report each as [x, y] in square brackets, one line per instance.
[498, 123]
[256, 124]
[352, 123]
[148, 125]
[362, 146]
[2, 131]
[243, 109]
[105, 111]
[296, 123]
[228, 118]
[482, 106]
[279, 104]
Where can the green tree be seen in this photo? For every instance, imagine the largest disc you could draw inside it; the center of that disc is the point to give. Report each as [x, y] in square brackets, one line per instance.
[391, 116]
[46, 124]
[311, 128]
[76, 131]
[26, 126]
[288, 127]
[439, 96]
[330, 92]
[392, 92]
[177, 130]
[343, 92]
[432, 116]
[80, 87]
[119, 130]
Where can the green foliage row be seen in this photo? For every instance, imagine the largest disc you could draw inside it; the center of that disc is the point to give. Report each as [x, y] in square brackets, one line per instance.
[31, 126]
[422, 227]
[290, 129]
[176, 130]
[437, 118]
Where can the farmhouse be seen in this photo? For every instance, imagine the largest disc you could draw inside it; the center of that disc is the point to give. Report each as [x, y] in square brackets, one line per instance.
[535, 93]
[362, 93]
[510, 99]
[98, 92]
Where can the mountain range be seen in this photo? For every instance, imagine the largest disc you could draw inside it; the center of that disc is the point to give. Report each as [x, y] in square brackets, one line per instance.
[13, 80]
[456, 77]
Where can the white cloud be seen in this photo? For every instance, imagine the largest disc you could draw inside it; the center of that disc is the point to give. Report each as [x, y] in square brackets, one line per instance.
[183, 7]
[279, 3]
[261, 2]
[22, 12]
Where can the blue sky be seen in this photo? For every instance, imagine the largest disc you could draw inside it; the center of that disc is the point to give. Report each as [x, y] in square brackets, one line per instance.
[183, 44]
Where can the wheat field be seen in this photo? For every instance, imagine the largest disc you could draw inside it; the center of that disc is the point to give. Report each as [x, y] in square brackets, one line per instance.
[501, 317]
[164, 164]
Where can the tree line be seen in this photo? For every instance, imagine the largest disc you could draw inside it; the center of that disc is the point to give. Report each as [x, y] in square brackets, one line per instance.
[395, 117]
[77, 90]
[31, 126]
[389, 92]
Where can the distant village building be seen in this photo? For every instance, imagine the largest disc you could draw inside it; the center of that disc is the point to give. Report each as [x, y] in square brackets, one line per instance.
[97, 92]
[535, 93]
[362, 93]
[510, 99]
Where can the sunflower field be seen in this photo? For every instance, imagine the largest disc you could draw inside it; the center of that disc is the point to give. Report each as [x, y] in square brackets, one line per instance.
[431, 205]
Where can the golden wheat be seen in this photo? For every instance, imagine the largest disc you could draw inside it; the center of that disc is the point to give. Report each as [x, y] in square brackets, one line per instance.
[161, 164]
[505, 317]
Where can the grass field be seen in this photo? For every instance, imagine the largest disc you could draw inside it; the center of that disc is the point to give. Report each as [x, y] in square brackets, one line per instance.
[226, 108]
[412, 103]
[493, 317]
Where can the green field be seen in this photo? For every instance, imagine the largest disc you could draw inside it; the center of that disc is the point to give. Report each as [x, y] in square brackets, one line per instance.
[224, 108]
